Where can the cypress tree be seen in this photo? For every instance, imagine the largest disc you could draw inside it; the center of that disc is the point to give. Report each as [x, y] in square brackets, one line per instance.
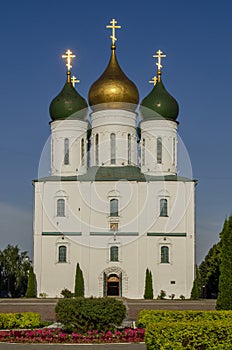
[79, 282]
[148, 292]
[195, 289]
[224, 299]
[31, 293]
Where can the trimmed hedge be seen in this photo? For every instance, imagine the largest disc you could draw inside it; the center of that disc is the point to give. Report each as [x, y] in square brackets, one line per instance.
[21, 320]
[146, 317]
[86, 314]
[200, 335]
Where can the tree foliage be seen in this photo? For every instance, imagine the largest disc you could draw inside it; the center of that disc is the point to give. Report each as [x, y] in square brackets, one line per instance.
[14, 267]
[224, 300]
[79, 290]
[209, 272]
[148, 292]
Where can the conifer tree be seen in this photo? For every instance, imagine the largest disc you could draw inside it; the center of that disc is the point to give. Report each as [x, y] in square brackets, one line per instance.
[224, 299]
[148, 292]
[195, 288]
[79, 282]
[31, 293]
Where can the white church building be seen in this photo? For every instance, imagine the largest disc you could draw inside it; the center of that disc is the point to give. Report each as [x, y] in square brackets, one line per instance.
[113, 201]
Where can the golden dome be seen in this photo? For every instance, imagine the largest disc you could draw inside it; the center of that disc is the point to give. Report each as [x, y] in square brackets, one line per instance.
[113, 90]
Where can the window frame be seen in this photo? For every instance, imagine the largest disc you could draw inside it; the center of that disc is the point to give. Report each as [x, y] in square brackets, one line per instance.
[66, 151]
[60, 211]
[114, 251]
[113, 148]
[165, 254]
[62, 254]
[159, 150]
[114, 213]
[163, 209]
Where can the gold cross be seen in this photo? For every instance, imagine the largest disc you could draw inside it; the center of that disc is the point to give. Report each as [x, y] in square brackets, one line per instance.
[153, 80]
[74, 80]
[68, 56]
[159, 55]
[113, 27]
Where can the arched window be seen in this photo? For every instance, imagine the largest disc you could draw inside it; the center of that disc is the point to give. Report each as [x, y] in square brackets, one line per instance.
[66, 151]
[113, 148]
[60, 210]
[62, 253]
[163, 207]
[114, 253]
[82, 152]
[97, 149]
[164, 255]
[143, 152]
[114, 207]
[159, 150]
[129, 148]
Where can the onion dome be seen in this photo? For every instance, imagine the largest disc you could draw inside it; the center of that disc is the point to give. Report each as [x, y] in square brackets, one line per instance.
[68, 103]
[159, 104]
[113, 89]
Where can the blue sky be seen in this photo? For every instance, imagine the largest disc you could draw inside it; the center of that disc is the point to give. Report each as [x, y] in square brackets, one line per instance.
[195, 36]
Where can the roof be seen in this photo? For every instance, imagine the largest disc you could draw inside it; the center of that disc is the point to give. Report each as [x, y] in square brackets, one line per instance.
[115, 173]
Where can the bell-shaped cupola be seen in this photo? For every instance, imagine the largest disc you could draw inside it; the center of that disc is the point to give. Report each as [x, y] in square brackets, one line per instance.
[158, 127]
[69, 111]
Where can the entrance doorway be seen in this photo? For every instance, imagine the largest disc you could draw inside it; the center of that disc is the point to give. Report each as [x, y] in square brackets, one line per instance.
[113, 285]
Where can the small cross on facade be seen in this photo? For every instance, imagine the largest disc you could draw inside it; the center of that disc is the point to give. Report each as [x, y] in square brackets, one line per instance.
[68, 56]
[113, 26]
[159, 55]
[74, 80]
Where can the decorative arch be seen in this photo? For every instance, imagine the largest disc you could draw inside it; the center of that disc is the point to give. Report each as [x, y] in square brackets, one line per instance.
[113, 271]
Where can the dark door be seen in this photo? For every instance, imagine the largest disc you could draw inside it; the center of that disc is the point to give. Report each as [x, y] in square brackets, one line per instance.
[113, 285]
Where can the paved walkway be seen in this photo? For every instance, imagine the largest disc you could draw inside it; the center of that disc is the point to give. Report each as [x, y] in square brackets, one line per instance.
[4, 346]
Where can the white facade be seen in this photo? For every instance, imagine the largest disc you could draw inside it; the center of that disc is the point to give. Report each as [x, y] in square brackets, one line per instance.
[114, 218]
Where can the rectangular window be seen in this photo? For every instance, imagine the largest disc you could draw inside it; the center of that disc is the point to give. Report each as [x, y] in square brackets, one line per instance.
[60, 210]
[129, 148]
[66, 151]
[159, 150]
[164, 255]
[97, 149]
[163, 207]
[62, 254]
[143, 152]
[112, 148]
[82, 152]
[114, 253]
[114, 207]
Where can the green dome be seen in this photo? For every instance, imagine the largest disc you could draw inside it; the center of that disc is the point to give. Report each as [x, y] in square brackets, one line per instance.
[159, 104]
[68, 104]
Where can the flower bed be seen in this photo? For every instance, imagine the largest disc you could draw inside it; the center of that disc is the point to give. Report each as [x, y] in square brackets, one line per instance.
[58, 336]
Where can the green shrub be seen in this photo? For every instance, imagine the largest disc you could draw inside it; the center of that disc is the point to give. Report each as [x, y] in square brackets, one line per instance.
[146, 317]
[200, 335]
[66, 293]
[82, 315]
[20, 320]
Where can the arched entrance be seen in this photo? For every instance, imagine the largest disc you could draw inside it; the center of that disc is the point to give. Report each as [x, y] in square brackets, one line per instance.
[112, 285]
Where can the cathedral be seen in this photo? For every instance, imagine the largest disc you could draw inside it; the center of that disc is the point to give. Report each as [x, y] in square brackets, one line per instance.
[113, 201]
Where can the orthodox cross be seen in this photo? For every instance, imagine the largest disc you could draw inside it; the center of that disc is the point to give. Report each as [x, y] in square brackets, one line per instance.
[113, 26]
[159, 55]
[74, 80]
[153, 80]
[68, 56]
